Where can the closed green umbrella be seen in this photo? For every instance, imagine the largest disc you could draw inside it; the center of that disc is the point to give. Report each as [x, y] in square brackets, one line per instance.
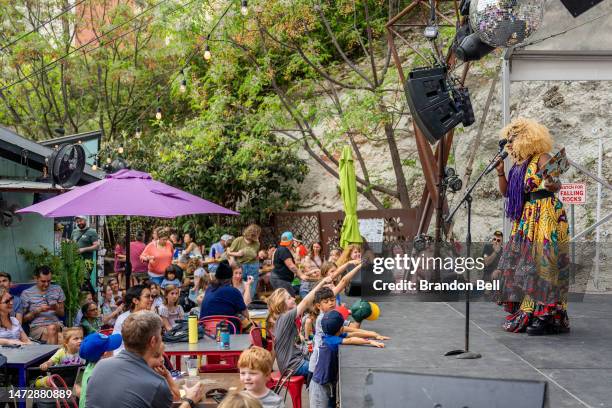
[348, 190]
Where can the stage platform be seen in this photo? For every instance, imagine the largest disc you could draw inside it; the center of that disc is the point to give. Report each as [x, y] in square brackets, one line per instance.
[577, 366]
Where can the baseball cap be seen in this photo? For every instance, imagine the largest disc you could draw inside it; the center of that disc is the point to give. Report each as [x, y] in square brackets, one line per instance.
[227, 237]
[96, 344]
[361, 310]
[287, 236]
[82, 217]
[332, 322]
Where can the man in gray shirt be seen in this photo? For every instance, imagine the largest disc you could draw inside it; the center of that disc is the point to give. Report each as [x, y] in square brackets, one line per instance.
[127, 380]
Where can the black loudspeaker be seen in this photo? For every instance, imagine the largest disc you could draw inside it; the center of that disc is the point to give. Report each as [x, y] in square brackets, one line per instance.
[430, 103]
[577, 7]
[401, 389]
[464, 104]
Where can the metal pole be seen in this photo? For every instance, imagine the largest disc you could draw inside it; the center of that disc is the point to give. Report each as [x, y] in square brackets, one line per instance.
[572, 232]
[468, 245]
[507, 228]
[439, 221]
[128, 264]
[598, 214]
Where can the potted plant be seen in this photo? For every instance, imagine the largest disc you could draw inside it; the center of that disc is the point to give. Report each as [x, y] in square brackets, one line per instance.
[69, 271]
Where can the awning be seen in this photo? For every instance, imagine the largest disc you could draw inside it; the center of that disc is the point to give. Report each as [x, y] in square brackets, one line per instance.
[26, 186]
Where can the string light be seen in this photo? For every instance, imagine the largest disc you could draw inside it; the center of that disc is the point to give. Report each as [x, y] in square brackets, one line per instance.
[138, 132]
[109, 160]
[183, 86]
[167, 40]
[207, 54]
[94, 167]
[244, 10]
[120, 150]
[158, 113]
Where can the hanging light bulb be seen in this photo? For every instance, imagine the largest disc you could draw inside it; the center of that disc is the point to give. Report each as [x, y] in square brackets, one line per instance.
[183, 86]
[167, 40]
[120, 150]
[158, 113]
[244, 10]
[94, 167]
[109, 160]
[207, 54]
[138, 132]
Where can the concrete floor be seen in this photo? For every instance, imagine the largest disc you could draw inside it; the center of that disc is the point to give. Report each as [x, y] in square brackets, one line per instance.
[577, 366]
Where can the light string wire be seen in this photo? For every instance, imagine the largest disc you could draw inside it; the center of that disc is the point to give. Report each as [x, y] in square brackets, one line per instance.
[38, 27]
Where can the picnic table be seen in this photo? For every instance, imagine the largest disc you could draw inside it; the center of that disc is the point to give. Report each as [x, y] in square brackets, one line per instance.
[206, 346]
[211, 381]
[26, 356]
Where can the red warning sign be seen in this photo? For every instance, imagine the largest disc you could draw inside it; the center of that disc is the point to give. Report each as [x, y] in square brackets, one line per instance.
[573, 193]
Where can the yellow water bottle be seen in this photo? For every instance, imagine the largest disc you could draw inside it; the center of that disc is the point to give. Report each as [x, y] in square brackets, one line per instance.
[192, 324]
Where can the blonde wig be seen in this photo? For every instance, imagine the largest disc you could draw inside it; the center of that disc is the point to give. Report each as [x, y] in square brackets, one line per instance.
[529, 138]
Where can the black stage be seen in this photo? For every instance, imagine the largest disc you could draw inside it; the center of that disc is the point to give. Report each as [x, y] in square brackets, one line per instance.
[577, 366]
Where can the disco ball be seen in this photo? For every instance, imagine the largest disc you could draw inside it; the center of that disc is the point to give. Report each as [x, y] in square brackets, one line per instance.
[506, 23]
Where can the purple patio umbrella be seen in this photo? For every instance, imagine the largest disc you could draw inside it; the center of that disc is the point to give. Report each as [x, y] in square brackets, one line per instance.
[127, 192]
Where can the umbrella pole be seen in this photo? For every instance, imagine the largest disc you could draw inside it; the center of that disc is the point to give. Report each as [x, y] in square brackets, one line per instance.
[128, 264]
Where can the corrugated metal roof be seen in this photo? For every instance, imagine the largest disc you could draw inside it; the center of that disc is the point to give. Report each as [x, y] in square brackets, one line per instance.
[27, 186]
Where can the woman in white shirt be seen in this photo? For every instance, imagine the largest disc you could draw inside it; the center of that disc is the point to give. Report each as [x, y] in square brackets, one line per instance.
[11, 331]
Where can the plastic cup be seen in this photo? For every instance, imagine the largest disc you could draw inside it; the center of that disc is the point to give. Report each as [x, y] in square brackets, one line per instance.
[191, 381]
[192, 367]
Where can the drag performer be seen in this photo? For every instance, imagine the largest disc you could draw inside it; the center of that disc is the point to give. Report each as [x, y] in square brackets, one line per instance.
[534, 267]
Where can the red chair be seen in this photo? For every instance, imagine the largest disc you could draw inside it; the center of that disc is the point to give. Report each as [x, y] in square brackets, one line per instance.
[223, 362]
[57, 382]
[293, 383]
[209, 323]
[258, 340]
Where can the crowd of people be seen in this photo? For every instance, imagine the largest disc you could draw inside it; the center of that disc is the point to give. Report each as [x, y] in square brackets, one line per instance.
[171, 280]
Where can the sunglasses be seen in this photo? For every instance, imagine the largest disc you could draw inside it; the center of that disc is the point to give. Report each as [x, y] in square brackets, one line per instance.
[9, 300]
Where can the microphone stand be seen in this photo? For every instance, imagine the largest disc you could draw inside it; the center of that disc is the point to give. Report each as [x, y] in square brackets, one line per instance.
[467, 199]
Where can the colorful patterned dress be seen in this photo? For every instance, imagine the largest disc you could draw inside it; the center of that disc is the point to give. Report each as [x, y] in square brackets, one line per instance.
[535, 263]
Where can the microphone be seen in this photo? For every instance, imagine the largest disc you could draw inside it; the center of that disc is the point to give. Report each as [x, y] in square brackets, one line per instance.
[502, 143]
[501, 158]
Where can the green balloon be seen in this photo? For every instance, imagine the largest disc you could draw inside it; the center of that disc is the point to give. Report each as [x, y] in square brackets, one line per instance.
[361, 310]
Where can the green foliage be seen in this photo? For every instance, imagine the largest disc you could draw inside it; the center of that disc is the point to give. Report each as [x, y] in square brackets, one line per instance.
[230, 137]
[107, 84]
[69, 271]
[409, 162]
[254, 174]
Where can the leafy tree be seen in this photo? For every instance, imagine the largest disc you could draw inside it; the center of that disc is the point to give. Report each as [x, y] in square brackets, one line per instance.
[117, 65]
[255, 174]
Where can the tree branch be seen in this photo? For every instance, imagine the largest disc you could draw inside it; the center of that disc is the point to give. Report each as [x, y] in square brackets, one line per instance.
[334, 41]
[370, 42]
